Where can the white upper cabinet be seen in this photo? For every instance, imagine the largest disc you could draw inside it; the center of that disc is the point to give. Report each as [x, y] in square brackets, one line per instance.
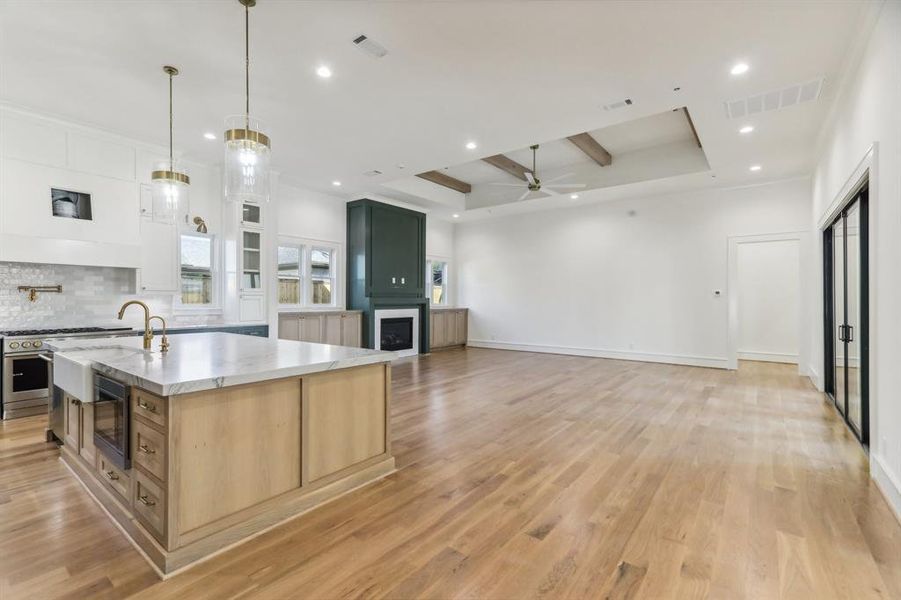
[159, 258]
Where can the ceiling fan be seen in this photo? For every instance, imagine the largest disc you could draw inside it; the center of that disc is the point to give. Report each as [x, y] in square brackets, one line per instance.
[534, 184]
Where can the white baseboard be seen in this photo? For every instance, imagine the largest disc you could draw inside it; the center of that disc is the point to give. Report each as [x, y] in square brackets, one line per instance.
[815, 378]
[768, 356]
[888, 484]
[673, 359]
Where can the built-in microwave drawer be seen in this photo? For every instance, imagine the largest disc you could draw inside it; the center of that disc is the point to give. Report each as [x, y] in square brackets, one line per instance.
[149, 450]
[149, 406]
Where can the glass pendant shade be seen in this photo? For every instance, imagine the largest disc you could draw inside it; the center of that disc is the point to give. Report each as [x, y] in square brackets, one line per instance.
[169, 189]
[246, 165]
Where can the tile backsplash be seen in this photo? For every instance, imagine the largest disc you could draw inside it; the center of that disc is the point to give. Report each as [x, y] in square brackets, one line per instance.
[91, 296]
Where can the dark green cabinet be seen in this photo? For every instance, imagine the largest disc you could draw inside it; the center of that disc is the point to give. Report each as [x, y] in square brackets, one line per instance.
[389, 243]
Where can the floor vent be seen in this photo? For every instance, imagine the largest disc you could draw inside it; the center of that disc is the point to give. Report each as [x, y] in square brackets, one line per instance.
[798, 93]
[369, 46]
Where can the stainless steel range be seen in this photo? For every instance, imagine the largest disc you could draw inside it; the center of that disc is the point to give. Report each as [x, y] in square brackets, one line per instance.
[27, 368]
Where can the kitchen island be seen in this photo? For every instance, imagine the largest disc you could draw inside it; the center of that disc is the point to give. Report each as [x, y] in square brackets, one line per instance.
[226, 435]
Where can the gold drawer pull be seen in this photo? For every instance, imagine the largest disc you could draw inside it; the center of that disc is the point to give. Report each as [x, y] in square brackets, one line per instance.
[145, 501]
[146, 449]
[146, 406]
[111, 475]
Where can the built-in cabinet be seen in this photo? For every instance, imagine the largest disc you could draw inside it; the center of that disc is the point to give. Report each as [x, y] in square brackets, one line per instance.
[159, 272]
[246, 238]
[339, 328]
[386, 264]
[449, 327]
[78, 427]
[386, 250]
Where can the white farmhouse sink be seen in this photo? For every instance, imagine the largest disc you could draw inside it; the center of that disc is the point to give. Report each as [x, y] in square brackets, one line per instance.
[74, 373]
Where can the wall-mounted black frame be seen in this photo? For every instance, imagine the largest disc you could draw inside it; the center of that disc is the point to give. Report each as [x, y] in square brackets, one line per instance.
[831, 320]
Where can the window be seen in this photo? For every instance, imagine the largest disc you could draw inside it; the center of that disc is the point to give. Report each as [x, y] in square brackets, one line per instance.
[197, 260]
[436, 276]
[322, 275]
[289, 278]
[307, 274]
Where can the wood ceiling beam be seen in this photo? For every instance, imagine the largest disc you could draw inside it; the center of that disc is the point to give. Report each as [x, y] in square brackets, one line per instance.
[590, 146]
[446, 180]
[509, 165]
[691, 124]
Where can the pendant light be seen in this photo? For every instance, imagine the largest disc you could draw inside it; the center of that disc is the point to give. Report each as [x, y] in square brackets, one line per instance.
[168, 184]
[246, 167]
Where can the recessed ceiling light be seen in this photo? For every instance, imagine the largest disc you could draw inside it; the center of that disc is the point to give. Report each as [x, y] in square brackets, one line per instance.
[324, 72]
[209, 136]
[574, 196]
[746, 129]
[755, 167]
[739, 68]
[336, 183]
[456, 216]
[471, 145]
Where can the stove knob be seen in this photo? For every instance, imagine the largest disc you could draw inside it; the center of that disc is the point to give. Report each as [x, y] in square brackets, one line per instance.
[13, 345]
[26, 344]
[38, 344]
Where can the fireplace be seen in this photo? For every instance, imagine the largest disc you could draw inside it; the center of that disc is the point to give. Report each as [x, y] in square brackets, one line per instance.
[397, 330]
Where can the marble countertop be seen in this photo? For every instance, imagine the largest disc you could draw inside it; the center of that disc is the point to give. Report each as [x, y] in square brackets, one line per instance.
[203, 361]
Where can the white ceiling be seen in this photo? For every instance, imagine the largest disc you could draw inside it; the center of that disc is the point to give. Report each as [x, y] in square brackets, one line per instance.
[505, 74]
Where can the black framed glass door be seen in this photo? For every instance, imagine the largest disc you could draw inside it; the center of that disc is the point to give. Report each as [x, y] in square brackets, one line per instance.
[846, 314]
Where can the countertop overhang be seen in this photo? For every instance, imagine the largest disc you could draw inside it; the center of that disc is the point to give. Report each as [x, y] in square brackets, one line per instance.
[204, 361]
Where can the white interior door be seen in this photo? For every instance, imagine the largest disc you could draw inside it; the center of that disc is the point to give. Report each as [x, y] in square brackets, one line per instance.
[769, 300]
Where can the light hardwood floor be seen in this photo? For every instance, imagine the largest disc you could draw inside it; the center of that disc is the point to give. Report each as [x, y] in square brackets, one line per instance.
[524, 475]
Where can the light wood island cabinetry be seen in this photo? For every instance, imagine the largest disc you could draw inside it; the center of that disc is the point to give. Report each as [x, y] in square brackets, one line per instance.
[211, 467]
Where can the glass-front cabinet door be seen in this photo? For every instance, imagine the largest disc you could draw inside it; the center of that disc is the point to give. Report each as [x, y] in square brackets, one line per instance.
[251, 261]
[251, 215]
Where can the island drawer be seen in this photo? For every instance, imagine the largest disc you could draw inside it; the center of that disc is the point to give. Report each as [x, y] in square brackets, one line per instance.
[114, 477]
[149, 406]
[150, 450]
[150, 506]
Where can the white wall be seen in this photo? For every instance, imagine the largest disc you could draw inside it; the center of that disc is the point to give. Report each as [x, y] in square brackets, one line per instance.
[769, 298]
[869, 111]
[631, 279]
[312, 215]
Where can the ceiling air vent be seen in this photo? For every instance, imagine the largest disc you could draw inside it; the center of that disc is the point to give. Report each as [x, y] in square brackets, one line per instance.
[372, 173]
[620, 104]
[370, 47]
[798, 93]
